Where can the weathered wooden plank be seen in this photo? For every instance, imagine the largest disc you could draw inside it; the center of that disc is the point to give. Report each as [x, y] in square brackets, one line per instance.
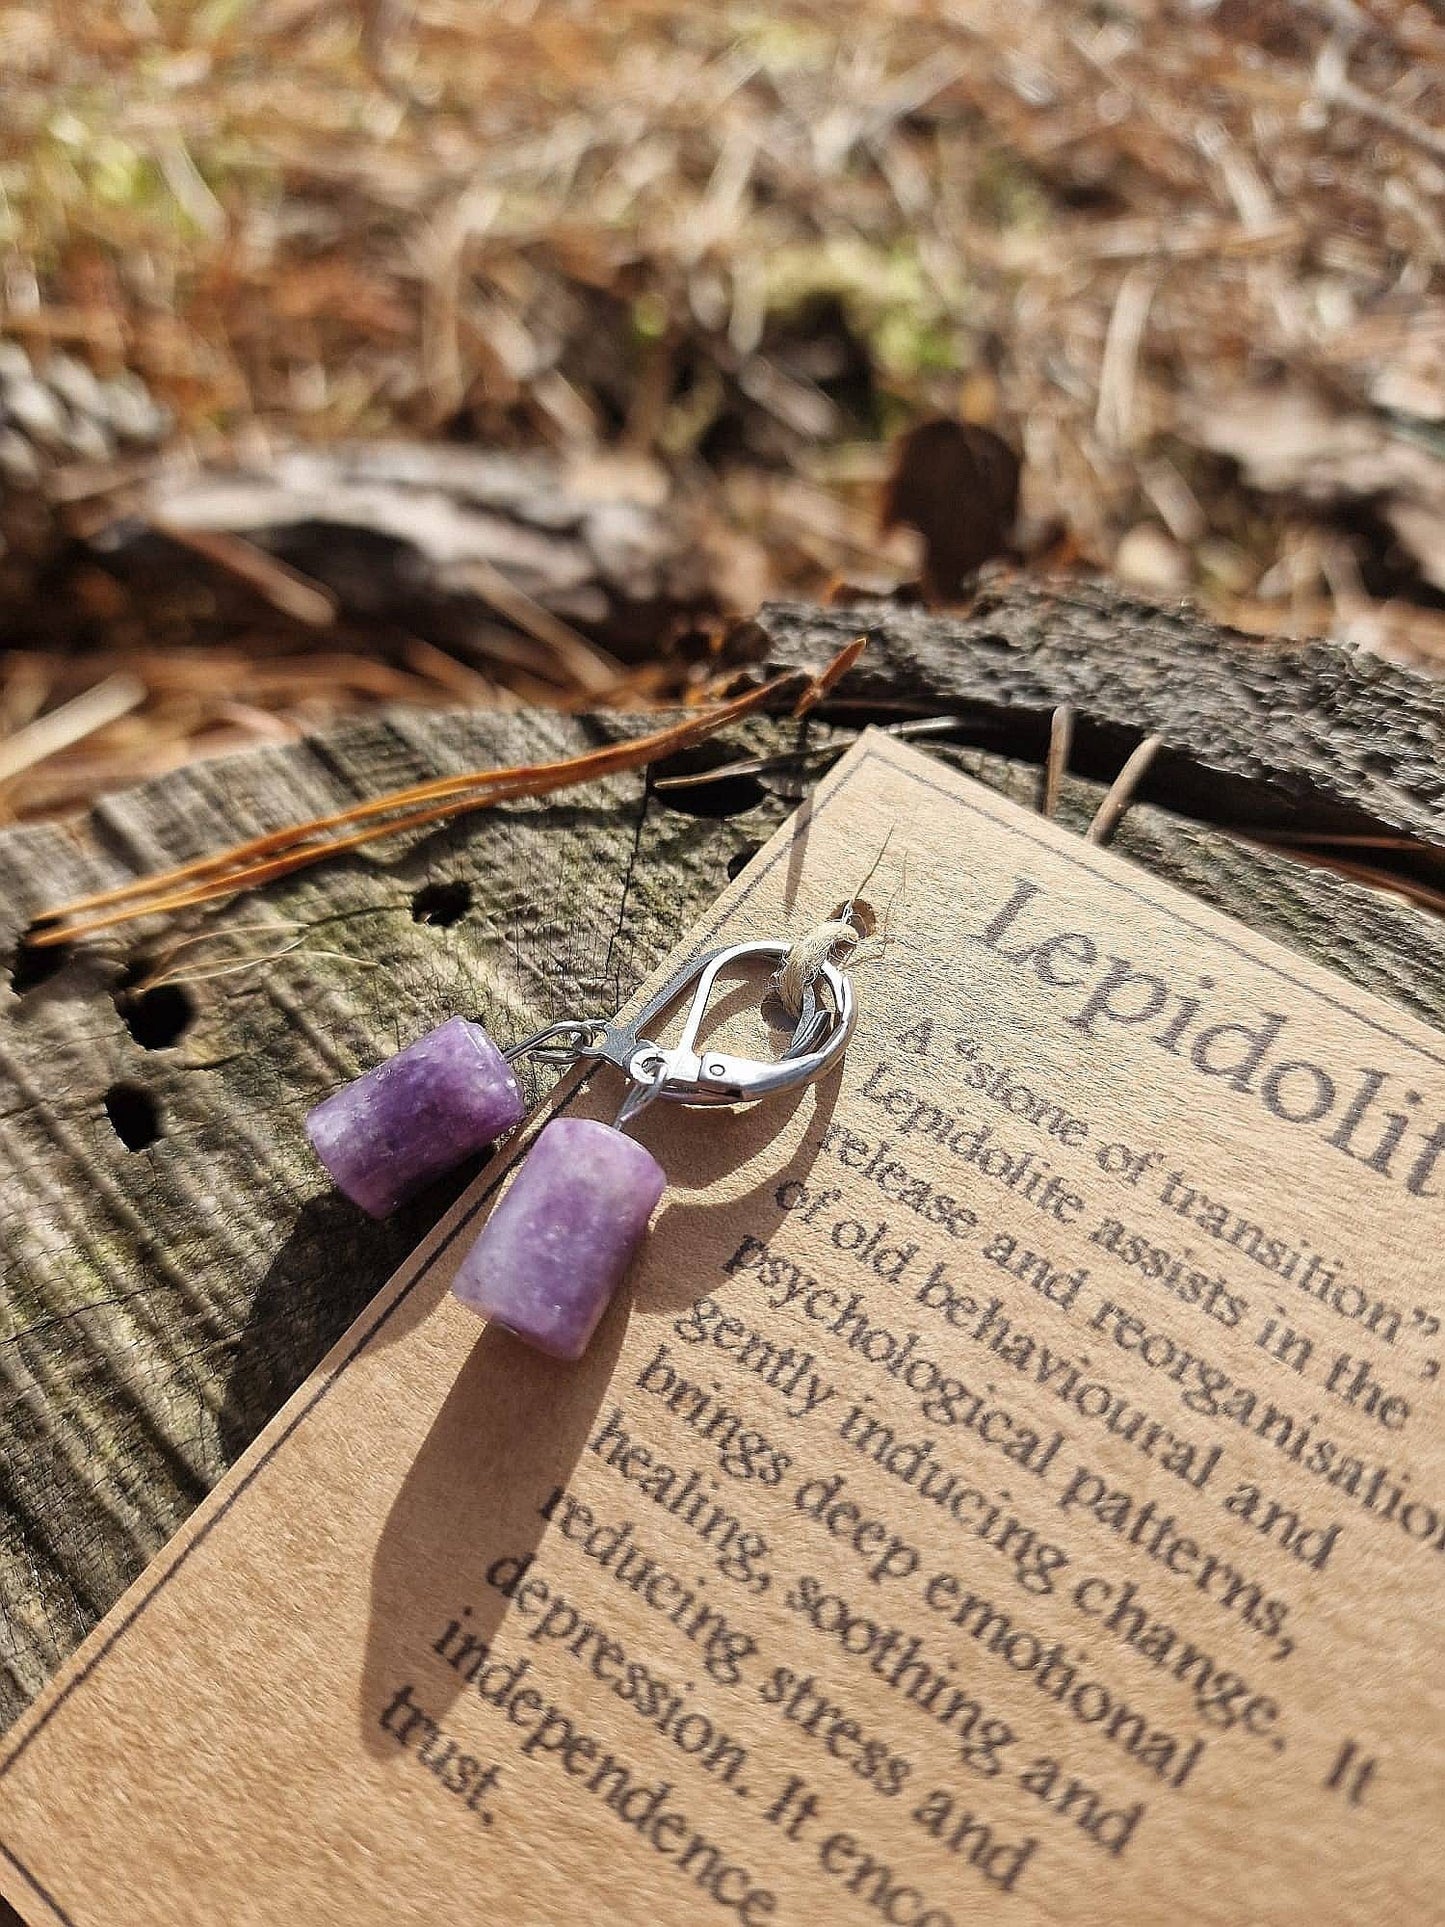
[160, 1302]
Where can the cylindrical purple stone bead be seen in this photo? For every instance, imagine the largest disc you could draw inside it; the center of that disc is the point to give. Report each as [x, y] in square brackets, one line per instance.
[433, 1104]
[554, 1250]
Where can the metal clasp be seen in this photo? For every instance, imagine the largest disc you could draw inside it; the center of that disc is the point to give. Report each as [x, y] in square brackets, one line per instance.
[683, 1074]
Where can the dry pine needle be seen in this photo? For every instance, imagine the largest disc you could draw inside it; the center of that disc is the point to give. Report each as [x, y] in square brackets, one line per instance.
[262, 859]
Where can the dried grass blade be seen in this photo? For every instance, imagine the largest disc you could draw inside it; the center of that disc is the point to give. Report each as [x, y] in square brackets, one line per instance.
[106, 703]
[285, 588]
[591, 668]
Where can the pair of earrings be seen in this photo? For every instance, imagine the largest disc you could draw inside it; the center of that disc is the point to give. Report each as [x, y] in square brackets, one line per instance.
[555, 1249]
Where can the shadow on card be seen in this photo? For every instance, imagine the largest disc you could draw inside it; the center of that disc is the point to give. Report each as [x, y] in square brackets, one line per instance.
[510, 1432]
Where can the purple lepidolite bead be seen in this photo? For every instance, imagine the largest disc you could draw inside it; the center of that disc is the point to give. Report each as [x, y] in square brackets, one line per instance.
[413, 1117]
[553, 1252]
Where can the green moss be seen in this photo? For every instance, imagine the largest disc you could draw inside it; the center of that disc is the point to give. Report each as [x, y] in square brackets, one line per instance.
[781, 45]
[1008, 195]
[649, 317]
[911, 325]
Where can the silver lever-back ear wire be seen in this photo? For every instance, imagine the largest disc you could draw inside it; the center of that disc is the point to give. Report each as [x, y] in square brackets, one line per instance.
[685, 1075]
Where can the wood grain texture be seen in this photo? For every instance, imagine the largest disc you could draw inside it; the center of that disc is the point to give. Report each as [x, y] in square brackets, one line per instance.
[160, 1303]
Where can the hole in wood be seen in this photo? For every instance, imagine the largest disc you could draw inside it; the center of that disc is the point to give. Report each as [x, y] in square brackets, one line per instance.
[158, 1017]
[442, 904]
[134, 1115]
[723, 796]
[30, 967]
[859, 912]
[740, 859]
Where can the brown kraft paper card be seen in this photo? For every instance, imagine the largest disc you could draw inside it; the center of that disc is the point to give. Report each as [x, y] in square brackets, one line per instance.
[1010, 1488]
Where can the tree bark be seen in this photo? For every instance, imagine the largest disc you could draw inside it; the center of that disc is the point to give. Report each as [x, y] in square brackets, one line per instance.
[1254, 733]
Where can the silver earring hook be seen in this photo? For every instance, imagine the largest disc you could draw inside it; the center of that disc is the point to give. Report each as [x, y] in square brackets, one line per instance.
[685, 1075]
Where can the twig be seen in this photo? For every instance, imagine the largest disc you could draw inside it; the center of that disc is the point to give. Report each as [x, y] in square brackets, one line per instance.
[285, 588]
[1061, 741]
[1114, 414]
[1337, 88]
[1121, 791]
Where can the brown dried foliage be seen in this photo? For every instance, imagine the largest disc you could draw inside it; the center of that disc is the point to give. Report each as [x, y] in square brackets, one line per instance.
[743, 247]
